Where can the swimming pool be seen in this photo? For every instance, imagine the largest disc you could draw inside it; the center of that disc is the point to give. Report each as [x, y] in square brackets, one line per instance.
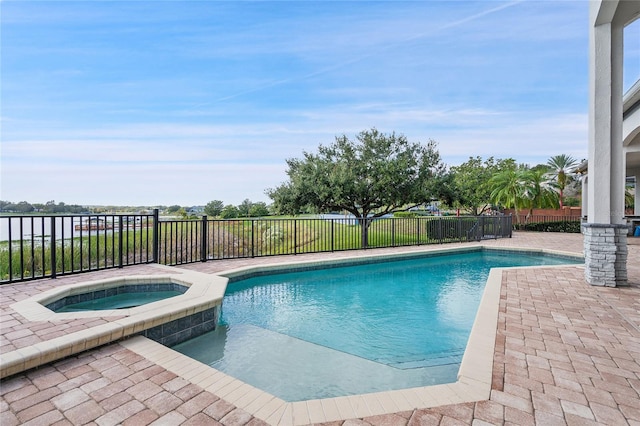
[354, 329]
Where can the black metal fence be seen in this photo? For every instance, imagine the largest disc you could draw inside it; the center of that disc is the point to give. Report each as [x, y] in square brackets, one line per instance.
[47, 246]
[34, 247]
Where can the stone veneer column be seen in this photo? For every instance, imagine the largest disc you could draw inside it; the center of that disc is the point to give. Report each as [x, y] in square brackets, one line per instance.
[605, 250]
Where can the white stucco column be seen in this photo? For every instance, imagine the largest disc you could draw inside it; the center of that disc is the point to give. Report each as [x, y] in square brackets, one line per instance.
[605, 234]
[606, 157]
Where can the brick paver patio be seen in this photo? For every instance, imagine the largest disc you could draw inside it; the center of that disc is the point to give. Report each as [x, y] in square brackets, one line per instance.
[566, 353]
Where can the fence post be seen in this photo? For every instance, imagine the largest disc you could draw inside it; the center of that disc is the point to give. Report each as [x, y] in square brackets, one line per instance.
[156, 236]
[10, 249]
[120, 242]
[295, 236]
[333, 237]
[510, 223]
[204, 234]
[393, 232]
[253, 239]
[53, 247]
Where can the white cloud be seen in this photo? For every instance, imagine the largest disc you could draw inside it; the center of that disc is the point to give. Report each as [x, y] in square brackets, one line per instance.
[528, 140]
[146, 162]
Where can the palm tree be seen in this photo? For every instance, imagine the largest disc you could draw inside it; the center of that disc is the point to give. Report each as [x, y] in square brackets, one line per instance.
[507, 189]
[538, 191]
[629, 198]
[561, 166]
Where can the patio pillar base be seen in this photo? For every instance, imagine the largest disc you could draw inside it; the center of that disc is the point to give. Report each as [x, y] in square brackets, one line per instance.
[605, 253]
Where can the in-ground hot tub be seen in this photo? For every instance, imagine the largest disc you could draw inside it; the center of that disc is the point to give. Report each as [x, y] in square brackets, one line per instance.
[122, 296]
[194, 310]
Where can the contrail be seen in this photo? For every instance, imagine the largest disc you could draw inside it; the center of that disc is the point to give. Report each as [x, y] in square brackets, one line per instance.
[368, 55]
[472, 17]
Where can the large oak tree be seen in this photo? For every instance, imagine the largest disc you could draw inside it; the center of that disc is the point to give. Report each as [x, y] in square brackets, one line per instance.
[371, 176]
[471, 182]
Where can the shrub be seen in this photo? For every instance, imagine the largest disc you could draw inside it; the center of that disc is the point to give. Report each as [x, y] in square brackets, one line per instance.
[273, 234]
[556, 226]
[405, 214]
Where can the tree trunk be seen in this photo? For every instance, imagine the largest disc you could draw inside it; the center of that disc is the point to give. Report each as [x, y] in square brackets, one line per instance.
[515, 209]
[365, 222]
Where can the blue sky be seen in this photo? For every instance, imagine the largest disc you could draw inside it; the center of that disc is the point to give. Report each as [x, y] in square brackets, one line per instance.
[184, 102]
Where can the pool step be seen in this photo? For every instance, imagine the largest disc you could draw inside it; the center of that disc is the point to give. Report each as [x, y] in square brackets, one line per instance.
[275, 363]
[448, 358]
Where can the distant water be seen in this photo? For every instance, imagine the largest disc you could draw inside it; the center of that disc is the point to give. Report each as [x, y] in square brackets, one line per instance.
[39, 227]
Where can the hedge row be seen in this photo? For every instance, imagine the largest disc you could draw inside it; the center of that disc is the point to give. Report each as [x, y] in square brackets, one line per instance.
[558, 226]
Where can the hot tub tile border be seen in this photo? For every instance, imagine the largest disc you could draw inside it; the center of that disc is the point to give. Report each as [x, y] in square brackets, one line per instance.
[113, 291]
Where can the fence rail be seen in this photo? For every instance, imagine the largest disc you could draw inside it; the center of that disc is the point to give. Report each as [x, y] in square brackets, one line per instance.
[34, 247]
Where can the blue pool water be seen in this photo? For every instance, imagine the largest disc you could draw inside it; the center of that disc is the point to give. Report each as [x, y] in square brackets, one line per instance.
[353, 329]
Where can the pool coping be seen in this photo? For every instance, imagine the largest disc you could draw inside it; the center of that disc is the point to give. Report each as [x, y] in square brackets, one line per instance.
[473, 382]
[205, 291]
